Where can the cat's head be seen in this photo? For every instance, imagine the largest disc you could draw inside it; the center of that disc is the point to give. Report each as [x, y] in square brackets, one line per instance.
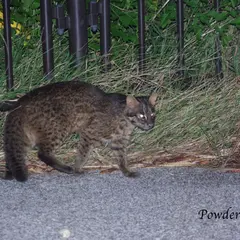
[141, 111]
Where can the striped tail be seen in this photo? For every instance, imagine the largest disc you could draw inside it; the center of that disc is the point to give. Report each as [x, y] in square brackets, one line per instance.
[9, 105]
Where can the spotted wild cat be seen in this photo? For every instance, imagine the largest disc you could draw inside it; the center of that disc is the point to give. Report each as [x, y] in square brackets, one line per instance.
[44, 117]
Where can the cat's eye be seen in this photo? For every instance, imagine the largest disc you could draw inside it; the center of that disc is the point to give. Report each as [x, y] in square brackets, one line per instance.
[141, 116]
[153, 115]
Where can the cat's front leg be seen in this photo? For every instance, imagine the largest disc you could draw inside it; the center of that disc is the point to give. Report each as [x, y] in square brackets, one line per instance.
[119, 148]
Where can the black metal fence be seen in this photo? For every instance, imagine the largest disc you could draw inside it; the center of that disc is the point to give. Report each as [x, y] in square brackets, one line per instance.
[78, 20]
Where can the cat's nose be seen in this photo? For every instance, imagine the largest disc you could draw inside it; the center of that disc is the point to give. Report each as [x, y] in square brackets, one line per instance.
[150, 126]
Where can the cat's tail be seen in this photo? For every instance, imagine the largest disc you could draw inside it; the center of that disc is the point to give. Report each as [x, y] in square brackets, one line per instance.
[9, 105]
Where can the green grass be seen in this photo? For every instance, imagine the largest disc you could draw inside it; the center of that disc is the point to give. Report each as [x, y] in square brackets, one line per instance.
[205, 111]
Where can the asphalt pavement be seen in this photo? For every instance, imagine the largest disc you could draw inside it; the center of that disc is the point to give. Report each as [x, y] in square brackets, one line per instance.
[163, 203]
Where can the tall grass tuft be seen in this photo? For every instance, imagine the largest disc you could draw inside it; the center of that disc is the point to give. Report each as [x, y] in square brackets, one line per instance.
[205, 110]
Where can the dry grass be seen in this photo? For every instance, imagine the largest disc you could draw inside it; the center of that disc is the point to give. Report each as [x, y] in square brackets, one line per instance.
[194, 123]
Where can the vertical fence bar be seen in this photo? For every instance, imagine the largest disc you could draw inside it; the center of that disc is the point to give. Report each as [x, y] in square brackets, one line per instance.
[46, 37]
[180, 36]
[105, 39]
[141, 33]
[218, 55]
[8, 44]
[78, 35]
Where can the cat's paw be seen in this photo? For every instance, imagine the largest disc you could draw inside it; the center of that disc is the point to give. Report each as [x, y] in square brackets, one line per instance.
[78, 171]
[8, 176]
[20, 175]
[67, 169]
[132, 174]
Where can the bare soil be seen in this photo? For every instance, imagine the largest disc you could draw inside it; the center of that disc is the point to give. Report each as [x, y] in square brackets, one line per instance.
[188, 155]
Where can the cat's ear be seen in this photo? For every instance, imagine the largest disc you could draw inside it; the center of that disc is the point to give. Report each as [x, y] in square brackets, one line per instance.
[153, 98]
[132, 102]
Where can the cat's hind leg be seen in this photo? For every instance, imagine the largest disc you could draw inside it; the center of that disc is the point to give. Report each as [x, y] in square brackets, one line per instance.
[15, 162]
[46, 155]
[51, 139]
[84, 146]
[15, 149]
[8, 173]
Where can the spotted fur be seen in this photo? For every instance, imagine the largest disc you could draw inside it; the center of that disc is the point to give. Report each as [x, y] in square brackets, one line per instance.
[45, 116]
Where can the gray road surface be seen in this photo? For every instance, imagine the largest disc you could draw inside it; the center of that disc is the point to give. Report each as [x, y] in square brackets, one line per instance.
[161, 204]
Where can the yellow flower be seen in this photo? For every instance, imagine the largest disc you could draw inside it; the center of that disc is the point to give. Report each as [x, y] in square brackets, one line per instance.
[14, 24]
[17, 26]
